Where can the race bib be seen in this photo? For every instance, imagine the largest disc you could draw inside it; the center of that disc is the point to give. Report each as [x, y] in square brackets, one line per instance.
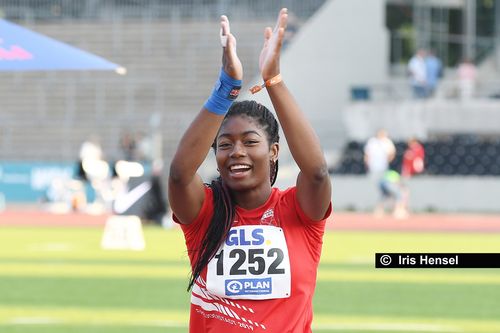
[252, 263]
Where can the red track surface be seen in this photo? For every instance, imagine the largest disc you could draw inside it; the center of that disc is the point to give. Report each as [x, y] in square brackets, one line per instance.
[338, 221]
[31, 217]
[416, 222]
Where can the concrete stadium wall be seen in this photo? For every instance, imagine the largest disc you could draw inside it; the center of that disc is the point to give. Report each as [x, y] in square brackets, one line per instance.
[442, 194]
[422, 119]
[344, 44]
[427, 193]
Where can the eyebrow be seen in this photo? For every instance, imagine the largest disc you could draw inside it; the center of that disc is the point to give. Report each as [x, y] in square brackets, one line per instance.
[244, 134]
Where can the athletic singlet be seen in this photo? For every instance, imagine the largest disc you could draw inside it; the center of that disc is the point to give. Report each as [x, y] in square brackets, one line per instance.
[246, 289]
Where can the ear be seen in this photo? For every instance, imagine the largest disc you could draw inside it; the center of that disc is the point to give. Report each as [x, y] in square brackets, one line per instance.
[273, 151]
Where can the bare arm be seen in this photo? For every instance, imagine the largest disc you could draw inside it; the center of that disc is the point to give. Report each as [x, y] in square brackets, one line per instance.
[313, 182]
[185, 186]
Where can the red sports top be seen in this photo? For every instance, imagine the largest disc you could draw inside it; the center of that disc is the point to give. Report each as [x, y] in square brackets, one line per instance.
[304, 238]
[413, 160]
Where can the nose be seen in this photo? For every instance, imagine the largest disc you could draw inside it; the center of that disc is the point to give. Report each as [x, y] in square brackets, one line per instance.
[238, 150]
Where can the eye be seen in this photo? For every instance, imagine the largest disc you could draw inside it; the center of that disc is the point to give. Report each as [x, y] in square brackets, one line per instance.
[224, 145]
[251, 142]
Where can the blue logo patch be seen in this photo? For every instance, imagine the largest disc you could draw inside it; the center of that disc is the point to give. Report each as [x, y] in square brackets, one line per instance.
[248, 287]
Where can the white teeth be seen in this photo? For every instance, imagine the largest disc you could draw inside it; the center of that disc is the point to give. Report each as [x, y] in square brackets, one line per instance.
[239, 167]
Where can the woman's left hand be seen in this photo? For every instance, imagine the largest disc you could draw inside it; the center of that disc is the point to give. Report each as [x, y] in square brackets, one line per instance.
[269, 60]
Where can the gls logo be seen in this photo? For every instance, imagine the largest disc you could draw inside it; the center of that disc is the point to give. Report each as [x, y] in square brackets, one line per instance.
[240, 237]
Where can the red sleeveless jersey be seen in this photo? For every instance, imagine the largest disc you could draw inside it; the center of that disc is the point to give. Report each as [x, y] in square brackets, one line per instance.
[304, 238]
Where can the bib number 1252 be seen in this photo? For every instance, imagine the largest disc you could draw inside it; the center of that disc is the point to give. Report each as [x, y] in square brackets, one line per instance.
[256, 262]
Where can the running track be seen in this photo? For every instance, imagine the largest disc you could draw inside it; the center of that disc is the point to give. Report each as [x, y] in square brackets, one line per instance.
[338, 221]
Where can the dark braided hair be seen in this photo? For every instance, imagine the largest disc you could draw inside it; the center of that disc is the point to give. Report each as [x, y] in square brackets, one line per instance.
[224, 206]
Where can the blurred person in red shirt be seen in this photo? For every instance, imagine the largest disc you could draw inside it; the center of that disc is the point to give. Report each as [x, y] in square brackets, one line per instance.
[467, 75]
[413, 163]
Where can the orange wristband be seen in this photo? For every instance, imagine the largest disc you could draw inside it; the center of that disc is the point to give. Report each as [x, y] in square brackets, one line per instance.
[271, 82]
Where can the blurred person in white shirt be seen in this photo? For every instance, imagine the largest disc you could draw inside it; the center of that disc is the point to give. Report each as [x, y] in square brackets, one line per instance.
[379, 151]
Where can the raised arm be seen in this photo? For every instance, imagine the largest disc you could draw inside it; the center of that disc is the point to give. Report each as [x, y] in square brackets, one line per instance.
[313, 181]
[185, 186]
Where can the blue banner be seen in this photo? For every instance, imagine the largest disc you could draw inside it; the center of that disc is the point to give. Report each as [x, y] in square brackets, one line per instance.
[30, 181]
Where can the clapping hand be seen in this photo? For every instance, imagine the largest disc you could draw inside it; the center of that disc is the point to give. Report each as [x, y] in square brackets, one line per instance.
[269, 60]
[230, 61]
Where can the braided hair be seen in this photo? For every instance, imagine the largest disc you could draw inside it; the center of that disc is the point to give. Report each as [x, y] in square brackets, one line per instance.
[224, 205]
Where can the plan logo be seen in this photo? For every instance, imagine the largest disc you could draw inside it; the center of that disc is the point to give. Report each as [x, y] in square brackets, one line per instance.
[248, 287]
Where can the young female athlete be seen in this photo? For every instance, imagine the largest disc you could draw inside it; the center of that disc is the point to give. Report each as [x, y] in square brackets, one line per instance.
[254, 249]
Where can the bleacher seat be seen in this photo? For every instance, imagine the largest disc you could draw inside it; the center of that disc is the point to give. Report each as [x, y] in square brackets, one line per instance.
[452, 155]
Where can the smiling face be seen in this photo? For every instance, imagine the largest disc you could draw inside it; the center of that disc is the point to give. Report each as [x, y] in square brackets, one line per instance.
[243, 154]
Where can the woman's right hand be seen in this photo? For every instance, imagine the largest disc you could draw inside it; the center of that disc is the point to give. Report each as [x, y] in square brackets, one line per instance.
[230, 61]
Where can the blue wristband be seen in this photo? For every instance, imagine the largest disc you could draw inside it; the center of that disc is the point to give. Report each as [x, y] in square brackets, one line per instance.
[224, 93]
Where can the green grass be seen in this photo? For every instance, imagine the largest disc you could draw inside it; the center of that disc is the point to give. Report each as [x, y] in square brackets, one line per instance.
[55, 280]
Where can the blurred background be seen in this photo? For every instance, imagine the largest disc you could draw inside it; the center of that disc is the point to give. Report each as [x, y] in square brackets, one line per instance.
[80, 145]
[345, 61]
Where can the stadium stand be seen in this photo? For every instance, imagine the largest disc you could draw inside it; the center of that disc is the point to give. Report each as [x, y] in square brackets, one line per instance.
[466, 155]
[168, 48]
[46, 116]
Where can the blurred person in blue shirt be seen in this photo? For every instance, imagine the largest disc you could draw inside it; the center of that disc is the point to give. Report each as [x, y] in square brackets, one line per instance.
[434, 69]
[418, 74]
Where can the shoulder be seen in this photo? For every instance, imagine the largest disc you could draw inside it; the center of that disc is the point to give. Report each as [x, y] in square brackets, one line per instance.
[370, 143]
[290, 210]
[388, 142]
[285, 197]
[204, 215]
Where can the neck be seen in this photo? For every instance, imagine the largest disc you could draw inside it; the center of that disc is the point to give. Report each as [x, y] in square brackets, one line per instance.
[250, 199]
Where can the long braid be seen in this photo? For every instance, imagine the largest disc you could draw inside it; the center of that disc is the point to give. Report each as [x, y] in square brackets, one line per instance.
[224, 206]
[218, 227]
[274, 171]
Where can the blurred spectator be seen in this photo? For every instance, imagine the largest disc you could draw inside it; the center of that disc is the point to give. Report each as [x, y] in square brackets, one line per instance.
[467, 79]
[392, 198]
[413, 159]
[418, 74]
[128, 146]
[434, 71]
[64, 195]
[95, 170]
[90, 150]
[158, 206]
[379, 151]
[144, 147]
[413, 163]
